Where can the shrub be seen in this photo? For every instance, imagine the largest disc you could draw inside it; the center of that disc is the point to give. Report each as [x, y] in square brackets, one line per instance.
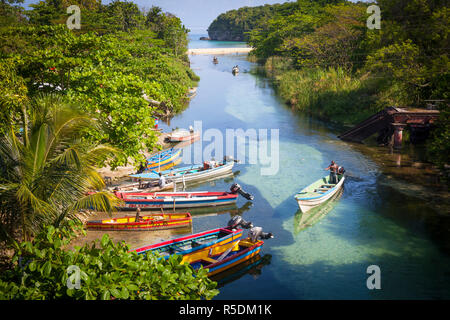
[41, 270]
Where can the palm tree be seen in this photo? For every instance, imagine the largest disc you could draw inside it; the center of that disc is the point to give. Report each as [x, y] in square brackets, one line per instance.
[47, 169]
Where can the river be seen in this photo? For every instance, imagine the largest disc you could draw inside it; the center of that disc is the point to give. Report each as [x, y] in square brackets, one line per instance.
[378, 220]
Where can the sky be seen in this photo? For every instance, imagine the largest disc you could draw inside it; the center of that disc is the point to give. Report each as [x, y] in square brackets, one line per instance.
[196, 15]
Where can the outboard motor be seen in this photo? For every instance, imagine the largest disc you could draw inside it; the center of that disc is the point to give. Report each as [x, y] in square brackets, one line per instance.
[256, 233]
[238, 221]
[237, 188]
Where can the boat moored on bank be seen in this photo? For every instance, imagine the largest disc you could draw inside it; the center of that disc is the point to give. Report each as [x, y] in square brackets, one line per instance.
[196, 246]
[151, 222]
[176, 200]
[163, 160]
[209, 169]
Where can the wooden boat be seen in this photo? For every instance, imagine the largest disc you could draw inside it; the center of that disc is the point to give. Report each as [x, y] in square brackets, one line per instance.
[175, 200]
[195, 246]
[242, 251]
[149, 186]
[156, 221]
[183, 135]
[318, 192]
[164, 160]
[190, 173]
[303, 220]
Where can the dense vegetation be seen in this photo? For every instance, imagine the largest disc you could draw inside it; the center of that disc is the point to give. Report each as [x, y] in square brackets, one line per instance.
[71, 100]
[118, 55]
[326, 61]
[43, 269]
[234, 25]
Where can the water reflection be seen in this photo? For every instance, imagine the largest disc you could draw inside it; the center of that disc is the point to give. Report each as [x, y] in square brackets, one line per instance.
[309, 218]
[251, 267]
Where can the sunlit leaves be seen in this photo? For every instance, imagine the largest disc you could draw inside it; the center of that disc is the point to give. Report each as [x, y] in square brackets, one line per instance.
[107, 271]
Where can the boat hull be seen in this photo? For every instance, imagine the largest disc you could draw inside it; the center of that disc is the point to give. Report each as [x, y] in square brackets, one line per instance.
[307, 203]
[151, 222]
[134, 188]
[245, 251]
[188, 174]
[210, 242]
[176, 200]
[164, 160]
[181, 138]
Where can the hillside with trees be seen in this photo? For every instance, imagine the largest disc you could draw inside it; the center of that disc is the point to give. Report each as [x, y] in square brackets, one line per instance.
[106, 67]
[325, 60]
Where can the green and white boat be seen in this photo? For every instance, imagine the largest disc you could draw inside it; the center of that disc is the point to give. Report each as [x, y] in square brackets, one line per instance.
[318, 192]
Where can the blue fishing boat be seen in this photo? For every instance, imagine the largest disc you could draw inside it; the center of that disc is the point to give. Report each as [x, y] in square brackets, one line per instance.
[242, 251]
[195, 246]
[164, 160]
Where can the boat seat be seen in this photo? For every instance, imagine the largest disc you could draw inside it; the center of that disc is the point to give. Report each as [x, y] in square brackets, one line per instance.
[195, 244]
[321, 189]
[174, 249]
[210, 260]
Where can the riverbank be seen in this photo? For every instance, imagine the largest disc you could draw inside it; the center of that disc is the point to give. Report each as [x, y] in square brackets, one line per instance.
[122, 172]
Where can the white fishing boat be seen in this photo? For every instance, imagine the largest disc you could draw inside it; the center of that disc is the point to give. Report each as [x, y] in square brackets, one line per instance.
[209, 169]
[318, 192]
[180, 135]
[149, 186]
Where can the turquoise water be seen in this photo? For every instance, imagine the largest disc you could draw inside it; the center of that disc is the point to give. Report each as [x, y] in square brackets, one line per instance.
[373, 223]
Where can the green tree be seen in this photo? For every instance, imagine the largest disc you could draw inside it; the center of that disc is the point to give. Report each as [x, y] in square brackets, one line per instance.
[47, 169]
[39, 271]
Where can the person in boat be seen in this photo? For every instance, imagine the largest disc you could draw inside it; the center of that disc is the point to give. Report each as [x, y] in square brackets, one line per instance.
[333, 167]
[161, 181]
[138, 215]
[191, 129]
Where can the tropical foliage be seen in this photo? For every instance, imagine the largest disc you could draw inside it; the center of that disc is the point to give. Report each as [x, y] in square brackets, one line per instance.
[47, 169]
[43, 269]
[327, 62]
[118, 61]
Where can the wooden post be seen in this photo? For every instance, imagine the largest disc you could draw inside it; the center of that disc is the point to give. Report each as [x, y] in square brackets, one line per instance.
[398, 134]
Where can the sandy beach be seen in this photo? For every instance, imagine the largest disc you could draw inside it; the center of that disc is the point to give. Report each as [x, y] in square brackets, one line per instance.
[218, 51]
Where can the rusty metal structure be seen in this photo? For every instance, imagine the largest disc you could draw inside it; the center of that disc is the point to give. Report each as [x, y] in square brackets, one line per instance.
[390, 123]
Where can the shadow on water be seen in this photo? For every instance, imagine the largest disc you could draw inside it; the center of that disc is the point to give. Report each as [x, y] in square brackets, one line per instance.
[309, 218]
[252, 267]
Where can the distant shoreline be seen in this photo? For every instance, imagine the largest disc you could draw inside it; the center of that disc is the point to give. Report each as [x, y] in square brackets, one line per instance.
[218, 51]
